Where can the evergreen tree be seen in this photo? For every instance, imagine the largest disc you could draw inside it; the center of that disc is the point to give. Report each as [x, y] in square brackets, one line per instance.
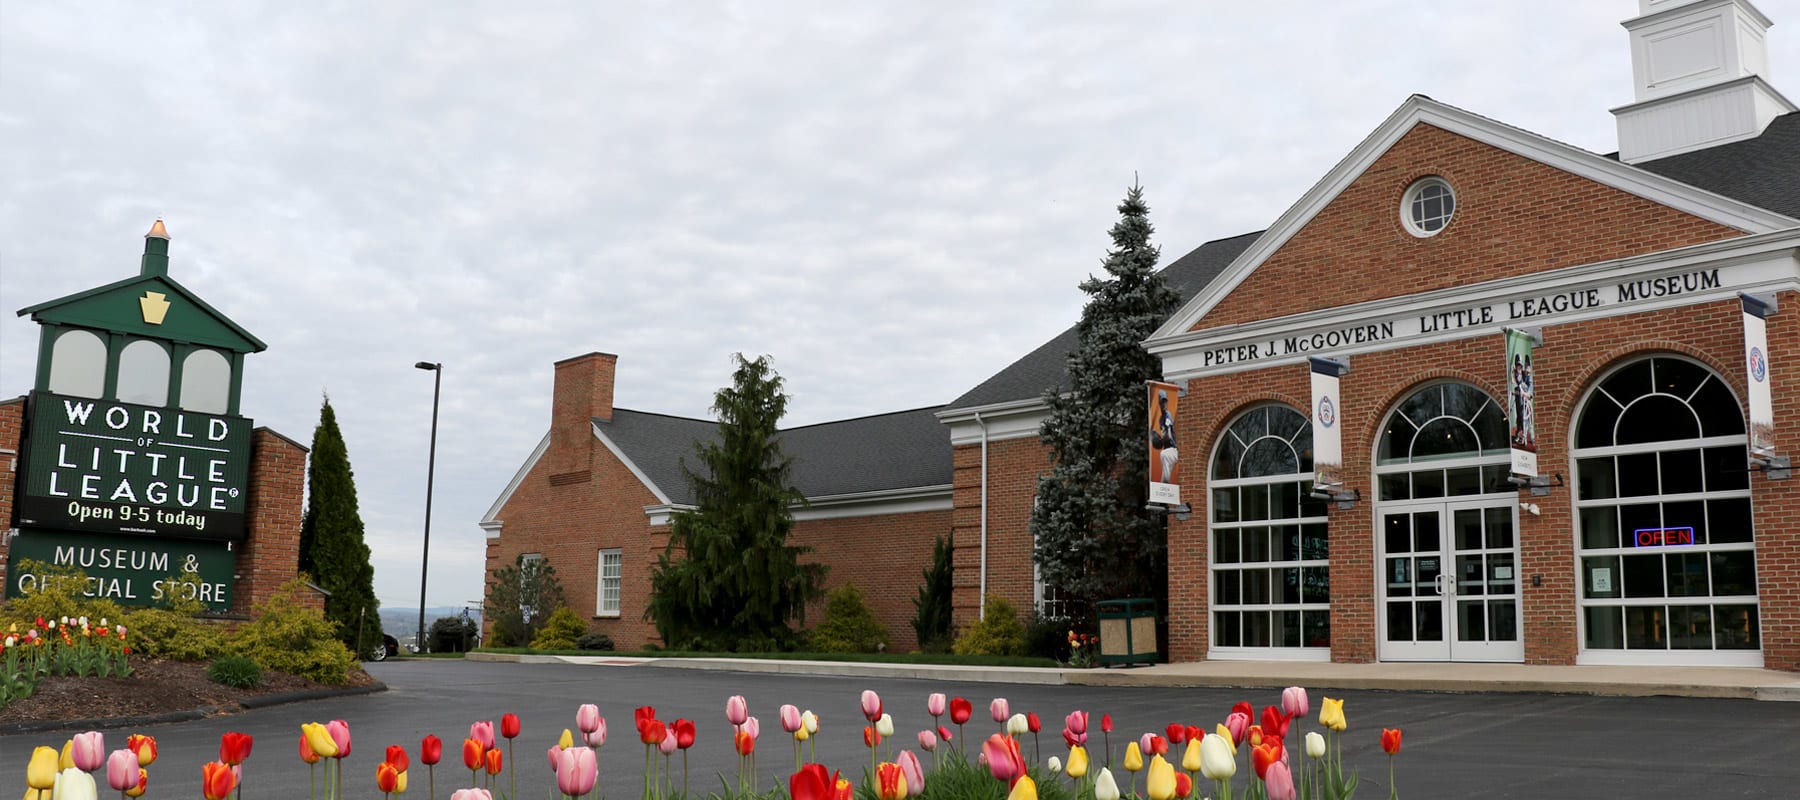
[1094, 539]
[527, 583]
[932, 608]
[728, 579]
[332, 551]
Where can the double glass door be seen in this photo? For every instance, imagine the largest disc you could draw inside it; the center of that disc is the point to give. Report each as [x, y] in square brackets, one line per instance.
[1450, 583]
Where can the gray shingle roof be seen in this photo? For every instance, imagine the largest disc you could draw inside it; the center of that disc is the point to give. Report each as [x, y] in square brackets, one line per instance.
[1763, 172]
[1047, 366]
[897, 450]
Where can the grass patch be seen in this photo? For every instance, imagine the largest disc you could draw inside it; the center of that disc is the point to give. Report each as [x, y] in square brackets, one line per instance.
[945, 659]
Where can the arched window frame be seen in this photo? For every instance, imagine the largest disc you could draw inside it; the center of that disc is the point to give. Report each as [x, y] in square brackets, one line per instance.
[1460, 407]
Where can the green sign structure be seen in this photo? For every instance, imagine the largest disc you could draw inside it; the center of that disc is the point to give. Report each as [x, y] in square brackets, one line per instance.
[129, 570]
[111, 467]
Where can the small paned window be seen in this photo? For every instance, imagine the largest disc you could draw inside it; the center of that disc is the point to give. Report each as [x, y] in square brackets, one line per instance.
[612, 571]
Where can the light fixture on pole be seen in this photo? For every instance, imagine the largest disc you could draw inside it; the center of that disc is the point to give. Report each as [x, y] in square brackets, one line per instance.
[437, 383]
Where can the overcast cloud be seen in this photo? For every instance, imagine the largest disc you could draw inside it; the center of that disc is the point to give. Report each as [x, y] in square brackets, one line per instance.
[894, 200]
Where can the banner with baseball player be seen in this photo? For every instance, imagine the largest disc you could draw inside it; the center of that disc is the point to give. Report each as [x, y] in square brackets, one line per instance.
[1521, 415]
[1165, 459]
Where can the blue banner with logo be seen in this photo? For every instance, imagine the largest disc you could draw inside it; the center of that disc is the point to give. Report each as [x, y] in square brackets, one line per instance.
[1327, 433]
[1756, 367]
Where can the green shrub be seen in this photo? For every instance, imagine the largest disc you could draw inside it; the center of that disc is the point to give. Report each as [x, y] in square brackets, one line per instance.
[1048, 637]
[931, 609]
[997, 633]
[57, 594]
[560, 631]
[849, 625]
[162, 633]
[288, 637]
[452, 635]
[594, 641]
[235, 671]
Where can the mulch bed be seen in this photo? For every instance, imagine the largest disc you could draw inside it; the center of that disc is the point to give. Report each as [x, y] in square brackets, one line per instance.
[155, 687]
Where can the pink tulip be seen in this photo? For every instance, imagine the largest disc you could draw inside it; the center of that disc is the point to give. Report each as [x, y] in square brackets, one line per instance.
[1003, 757]
[934, 704]
[587, 718]
[668, 743]
[752, 727]
[1280, 781]
[1076, 722]
[597, 736]
[89, 751]
[927, 741]
[122, 769]
[340, 735]
[1238, 724]
[577, 771]
[471, 794]
[482, 732]
[1145, 745]
[1000, 710]
[1293, 702]
[736, 709]
[871, 705]
[914, 772]
[790, 719]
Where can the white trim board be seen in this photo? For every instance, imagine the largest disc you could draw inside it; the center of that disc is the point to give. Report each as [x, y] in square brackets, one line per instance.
[1419, 109]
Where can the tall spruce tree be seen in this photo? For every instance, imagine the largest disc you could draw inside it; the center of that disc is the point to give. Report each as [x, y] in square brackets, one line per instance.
[332, 550]
[728, 579]
[1094, 539]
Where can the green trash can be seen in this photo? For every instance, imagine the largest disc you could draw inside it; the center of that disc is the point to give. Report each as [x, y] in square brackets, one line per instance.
[1127, 631]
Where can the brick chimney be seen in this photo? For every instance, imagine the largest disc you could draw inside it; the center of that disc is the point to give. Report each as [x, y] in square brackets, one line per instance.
[583, 393]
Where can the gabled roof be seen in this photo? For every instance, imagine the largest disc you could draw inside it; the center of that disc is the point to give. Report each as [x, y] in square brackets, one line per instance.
[1047, 367]
[114, 307]
[1421, 110]
[1764, 171]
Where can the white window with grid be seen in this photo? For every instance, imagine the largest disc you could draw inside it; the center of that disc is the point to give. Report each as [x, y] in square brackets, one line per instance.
[612, 570]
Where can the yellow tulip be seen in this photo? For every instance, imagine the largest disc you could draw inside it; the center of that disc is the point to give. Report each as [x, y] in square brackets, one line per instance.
[1134, 758]
[319, 739]
[1225, 733]
[42, 772]
[1025, 789]
[1331, 715]
[567, 740]
[1161, 782]
[800, 734]
[1078, 762]
[1190, 758]
[400, 783]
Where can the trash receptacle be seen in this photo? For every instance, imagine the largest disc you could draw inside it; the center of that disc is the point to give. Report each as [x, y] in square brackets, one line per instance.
[1127, 631]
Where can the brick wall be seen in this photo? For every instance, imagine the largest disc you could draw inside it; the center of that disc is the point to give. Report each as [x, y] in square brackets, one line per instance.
[12, 432]
[1513, 216]
[884, 555]
[270, 555]
[1013, 469]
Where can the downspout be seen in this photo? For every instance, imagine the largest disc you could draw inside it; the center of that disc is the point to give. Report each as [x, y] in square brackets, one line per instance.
[981, 602]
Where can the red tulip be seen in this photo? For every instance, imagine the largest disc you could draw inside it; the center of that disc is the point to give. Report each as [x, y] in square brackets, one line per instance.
[943, 733]
[1032, 723]
[396, 755]
[472, 754]
[494, 762]
[653, 731]
[1254, 734]
[1184, 786]
[1244, 707]
[144, 747]
[1106, 723]
[811, 783]
[1177, 733]
[431, 750]
[842, 790]
[890, 781]
[1390, 740]
[306, 752]
[1194, 734]
[870, 736]
[387, 779]
[960, 710]
[234, 747]
[509, 726]
[1274, 722]
[684, 733]
[142, 785]
[746, 744]
[217, 780]
[1263, 755]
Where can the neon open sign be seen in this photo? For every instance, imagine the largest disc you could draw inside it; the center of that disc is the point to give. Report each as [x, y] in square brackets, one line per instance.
[1660, 537]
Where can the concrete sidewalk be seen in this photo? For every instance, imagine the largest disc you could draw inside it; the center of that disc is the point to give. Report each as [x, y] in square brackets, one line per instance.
[1732, 682]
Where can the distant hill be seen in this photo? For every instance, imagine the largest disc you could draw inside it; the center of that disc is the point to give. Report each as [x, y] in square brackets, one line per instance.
[402, 623]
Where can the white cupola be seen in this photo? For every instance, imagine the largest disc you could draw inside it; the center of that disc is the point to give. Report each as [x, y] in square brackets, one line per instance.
[1700, 68]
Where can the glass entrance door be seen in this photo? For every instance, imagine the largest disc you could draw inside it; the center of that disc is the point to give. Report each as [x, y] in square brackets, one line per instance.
[1449, 578]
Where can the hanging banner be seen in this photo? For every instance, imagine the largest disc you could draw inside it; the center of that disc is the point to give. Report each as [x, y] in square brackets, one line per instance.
[1756, 363]
[1327, 436]
[1520, 415]
[1165, 460]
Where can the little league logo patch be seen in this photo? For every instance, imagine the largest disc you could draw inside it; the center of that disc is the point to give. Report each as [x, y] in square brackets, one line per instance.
[1328, 412]
[1759, 366]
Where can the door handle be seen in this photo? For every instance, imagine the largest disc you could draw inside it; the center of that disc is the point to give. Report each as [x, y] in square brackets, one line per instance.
[1439, 583]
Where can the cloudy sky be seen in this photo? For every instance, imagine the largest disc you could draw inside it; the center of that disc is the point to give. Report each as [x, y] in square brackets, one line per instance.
[894, 200]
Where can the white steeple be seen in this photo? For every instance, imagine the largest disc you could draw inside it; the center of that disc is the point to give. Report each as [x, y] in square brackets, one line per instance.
[1700, 68]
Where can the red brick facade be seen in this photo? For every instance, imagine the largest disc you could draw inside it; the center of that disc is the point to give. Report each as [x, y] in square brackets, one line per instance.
[1013, 467]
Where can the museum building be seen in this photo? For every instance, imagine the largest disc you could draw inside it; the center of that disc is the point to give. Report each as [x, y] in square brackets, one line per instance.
[1478, 395]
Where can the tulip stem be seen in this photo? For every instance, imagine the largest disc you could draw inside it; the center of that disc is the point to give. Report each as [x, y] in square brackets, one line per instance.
[431, 779]
[1393, 791]
[511, 774]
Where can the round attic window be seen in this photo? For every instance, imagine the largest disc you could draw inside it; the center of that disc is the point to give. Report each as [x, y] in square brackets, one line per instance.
[1427, 206]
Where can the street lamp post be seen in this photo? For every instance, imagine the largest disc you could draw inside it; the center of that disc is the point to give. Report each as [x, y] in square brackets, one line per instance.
[437, 383]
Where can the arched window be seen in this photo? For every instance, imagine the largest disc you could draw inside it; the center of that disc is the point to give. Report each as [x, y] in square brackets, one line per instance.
[1271, 583]
[78, 364]
[1438, 424]
[206, 382]
[1665, 538]
[144, 373]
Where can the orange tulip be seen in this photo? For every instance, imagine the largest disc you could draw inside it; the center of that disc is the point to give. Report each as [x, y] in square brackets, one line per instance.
[1390, 741]
[472, 754]
[745, 743]
[494, 764]
[306, 752]
[234, 747]
[217, 780]
[386, 777]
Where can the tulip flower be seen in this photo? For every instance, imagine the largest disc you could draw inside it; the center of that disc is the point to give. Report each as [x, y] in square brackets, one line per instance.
[1254, 735]
[472, 754]
[1134, 758]
[943, 733]
[1217, 762]
[1078, 762]
[340, 734]
[1243, 707]
[1331, 715]
[306, 752]
[1003, 757]
[509, 726]
[753, 726]
[1055, 765]
[509, 730]
[41, 773]
[935, 704]
[1106, 723]
[318, 738]
[1160, 781]
[1024, 789]
[1274, 723]
[960, 709]
[653, 732]
[871, 705]
[121, 769]
[790, 718]
[1017, 725]
[999, 710]
[566, 740]
[1105, 788]
[1190, 758]
[1390, 741]
[928, 741]
[396, 755]
[597, 736]
[89, 751]
[1184, 786]
[471, 794]
[1230, 741]
[1177, 733]
[1262, 756]
[482, 732]
[587, 718]
[74, 784]
[890, 781]
[494, 762]
[1294, 702]
[811, 782]
[810, 721]
[885, 726]
[577, 771]
[1076, 722]
[684, 733]
[142, 784]
[914, 772]
[1279, 782]
[144, 747]
[1238, 723]
[554, 756]
[1315, 745]
[669, 740]
[217, 780]
[387, 779]
[842, 790]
